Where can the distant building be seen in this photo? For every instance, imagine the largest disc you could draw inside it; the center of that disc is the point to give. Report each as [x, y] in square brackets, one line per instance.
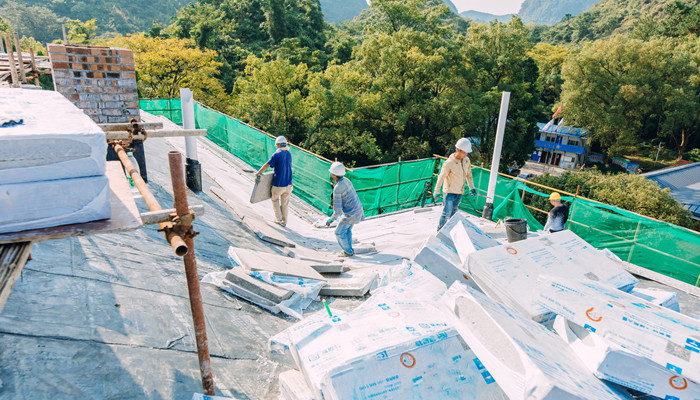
[565, 147]
[684, 182]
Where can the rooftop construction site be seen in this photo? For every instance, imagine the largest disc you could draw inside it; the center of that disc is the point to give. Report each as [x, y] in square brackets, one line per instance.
[105, 197]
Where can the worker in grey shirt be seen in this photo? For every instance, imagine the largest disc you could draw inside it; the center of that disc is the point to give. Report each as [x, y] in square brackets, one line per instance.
[558, 215]
[346, 207]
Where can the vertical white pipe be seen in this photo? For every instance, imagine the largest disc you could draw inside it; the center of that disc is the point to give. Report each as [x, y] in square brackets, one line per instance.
[496, 160]
[187, 102]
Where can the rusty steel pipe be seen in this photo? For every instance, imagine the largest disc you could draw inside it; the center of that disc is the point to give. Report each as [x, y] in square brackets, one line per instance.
[177, 243]
[177, 176]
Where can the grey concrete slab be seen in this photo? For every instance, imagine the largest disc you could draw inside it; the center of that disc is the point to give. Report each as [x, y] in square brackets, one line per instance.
[273, 293]
[278, 265]
[350, 284]
[330, 268]
[262, 190]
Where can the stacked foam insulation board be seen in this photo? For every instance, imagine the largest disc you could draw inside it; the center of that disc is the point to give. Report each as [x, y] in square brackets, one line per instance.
[612, 331]
[52, 166]
[508, 273]
[443, 254]
[526, 359]
[390, 347]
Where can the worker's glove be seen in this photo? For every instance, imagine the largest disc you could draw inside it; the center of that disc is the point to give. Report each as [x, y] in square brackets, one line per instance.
[328, 223]
[257, 178]
[473, 192]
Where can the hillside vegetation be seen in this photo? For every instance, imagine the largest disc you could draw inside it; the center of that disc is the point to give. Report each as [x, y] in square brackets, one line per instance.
[42, 18]
[617, 17]
[549, 12]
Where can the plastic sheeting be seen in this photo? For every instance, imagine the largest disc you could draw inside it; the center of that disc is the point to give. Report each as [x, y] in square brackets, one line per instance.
[56, 141]
[43, 204]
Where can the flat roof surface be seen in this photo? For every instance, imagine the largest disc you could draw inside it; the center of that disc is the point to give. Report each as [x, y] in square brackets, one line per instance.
[108, 317]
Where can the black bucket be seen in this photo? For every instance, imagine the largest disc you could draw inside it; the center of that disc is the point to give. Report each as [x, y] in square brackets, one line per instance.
[516, 229]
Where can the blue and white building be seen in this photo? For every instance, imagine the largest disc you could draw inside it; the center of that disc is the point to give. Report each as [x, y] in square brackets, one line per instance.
[565, 147]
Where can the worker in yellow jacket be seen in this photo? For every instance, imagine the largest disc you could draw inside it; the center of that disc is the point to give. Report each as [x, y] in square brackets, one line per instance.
[455, 172]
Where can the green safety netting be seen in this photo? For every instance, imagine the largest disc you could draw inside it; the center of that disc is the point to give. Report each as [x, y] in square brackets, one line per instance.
[658, 246]
[170, 108]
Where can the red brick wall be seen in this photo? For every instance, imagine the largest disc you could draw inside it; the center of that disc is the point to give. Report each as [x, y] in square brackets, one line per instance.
[99, 80]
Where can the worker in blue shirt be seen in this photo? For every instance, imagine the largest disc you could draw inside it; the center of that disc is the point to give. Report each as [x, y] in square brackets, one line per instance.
[281, 162]
[347, 204]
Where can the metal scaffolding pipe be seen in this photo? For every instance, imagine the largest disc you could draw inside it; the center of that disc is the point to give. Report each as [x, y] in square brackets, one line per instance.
[177, 177]
[177, 243]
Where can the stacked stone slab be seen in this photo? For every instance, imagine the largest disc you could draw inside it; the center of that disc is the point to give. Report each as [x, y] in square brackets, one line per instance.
[99, 80]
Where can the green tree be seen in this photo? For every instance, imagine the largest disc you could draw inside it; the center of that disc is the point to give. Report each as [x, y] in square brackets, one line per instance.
[31, 21]
[626, 90]
[236, 29]
[164, 65]
[497, 60]
[271, 96]
[80, 32]
[332, 122]
[549, 60]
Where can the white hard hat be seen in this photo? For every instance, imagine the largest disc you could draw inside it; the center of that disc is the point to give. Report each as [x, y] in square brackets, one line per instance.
[337, 169]
[281, 140]
[465, 145]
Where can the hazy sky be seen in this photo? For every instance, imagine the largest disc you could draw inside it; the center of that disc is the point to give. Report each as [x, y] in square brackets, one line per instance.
[497, 7]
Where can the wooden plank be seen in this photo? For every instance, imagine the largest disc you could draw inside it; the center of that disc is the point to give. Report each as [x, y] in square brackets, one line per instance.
[11, 57]
[35, 70]
[13, 256]
[125, 215]
[22, 72]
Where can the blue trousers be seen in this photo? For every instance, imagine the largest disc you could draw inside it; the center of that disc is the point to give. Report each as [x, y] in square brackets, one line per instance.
[451, 205]
[343, 233]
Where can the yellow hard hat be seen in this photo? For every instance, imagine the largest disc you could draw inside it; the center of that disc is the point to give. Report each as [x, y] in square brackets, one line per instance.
[555, 196]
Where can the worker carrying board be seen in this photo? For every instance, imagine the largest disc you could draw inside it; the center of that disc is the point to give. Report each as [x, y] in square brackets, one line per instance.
[455, 172]
[558, 215]
[281, 188]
